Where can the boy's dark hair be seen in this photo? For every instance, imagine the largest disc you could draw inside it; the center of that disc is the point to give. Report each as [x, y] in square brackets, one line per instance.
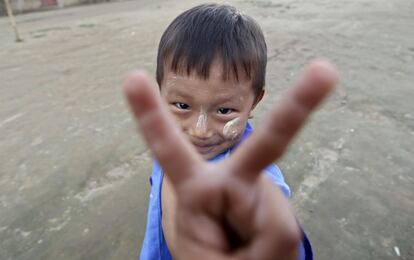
[206, 32]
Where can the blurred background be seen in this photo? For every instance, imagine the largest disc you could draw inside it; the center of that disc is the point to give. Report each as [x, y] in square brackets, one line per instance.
[74, 172]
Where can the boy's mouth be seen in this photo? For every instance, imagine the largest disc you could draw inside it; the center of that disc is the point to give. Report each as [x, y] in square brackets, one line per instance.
[204, 147]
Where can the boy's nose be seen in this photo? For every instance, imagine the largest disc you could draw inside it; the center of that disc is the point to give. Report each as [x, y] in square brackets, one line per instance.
[200, 128]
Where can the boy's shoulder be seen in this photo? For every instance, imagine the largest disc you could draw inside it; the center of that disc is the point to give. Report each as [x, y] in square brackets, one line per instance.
[272, 171]
[275, 174]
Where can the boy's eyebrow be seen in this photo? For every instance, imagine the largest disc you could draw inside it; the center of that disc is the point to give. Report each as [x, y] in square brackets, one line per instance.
[225, 99]
[180, 93]
[220, 97]
[228, 99]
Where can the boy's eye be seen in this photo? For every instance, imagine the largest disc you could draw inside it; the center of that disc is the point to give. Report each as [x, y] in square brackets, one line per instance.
[225, 111]
[182, 106]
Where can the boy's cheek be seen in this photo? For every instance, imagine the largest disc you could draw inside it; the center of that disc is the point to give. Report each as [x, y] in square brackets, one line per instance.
[233, 129]
[179, 119]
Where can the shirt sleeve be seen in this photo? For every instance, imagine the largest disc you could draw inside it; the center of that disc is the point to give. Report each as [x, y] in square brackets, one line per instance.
[276, 176]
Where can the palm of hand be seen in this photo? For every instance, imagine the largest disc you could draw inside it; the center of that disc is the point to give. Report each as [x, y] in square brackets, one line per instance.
[228, 217]
[229, 210]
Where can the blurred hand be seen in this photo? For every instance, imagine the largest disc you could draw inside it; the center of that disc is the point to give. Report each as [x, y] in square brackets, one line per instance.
[229, 210]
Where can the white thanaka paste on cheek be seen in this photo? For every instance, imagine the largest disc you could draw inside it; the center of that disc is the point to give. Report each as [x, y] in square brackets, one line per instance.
[230, 129]
[202, 121]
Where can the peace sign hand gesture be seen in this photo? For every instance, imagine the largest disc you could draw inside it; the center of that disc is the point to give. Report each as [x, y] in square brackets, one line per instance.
[229, 210]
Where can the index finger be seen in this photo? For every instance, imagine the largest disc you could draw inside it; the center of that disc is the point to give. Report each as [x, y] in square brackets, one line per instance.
[176, 156]
[269, 142]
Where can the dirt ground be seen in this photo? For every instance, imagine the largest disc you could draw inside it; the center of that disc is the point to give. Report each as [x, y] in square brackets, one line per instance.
[74, 173]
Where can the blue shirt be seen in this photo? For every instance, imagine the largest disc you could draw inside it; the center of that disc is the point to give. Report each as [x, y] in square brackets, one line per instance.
[155, 247]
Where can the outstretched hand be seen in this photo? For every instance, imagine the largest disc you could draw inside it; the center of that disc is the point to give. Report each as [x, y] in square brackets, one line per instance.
[229, 210]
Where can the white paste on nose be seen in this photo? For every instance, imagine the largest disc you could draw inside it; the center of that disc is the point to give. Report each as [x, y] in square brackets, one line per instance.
[202, 121]
[230, 129]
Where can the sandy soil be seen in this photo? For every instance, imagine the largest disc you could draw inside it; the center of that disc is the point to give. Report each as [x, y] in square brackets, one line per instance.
[74, 174]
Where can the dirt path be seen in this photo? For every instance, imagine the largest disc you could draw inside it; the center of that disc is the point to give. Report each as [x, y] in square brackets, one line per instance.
[74, 174]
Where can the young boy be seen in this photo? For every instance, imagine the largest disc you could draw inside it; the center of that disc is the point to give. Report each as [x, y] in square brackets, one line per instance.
[211, 69]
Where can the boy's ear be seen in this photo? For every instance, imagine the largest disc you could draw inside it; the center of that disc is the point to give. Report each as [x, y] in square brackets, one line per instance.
[258, 98]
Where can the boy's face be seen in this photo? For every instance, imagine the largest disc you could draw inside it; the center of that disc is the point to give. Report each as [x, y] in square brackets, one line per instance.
[212, 113]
